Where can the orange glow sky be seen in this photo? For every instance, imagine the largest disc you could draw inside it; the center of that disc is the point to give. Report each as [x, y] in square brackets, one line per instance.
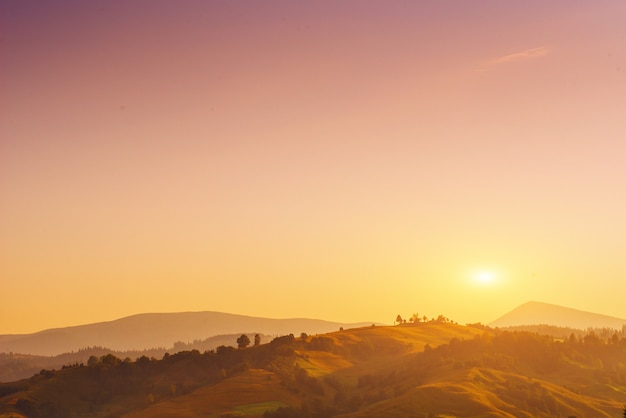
[338, 160]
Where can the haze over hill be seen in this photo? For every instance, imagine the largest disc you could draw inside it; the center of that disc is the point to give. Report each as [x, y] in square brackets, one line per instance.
[539, 313]
[152, 330]
[434, 368]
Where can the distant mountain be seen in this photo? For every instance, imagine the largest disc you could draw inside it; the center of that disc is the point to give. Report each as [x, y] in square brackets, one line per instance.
[152, 330]
[536, 313]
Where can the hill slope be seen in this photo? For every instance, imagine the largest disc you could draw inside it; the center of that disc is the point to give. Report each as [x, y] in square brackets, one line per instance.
[152, 330]
[289, 369]
[537, 313]
[424, 369]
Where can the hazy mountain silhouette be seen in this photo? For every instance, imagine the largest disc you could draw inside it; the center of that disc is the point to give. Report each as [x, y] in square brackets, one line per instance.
[536, 313]
[152, 330]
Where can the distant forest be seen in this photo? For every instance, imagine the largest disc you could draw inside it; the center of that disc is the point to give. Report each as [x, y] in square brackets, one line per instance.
[15, 366]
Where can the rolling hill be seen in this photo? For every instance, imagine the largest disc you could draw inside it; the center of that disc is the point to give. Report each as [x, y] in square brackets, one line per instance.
[152, 330]
[424, 369]
[538, 313]
[283, 371]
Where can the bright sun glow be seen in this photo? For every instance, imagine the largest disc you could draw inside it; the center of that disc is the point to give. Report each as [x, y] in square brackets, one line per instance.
[485, 277]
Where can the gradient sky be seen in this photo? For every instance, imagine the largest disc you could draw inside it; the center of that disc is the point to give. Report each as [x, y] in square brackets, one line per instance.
[343, 160]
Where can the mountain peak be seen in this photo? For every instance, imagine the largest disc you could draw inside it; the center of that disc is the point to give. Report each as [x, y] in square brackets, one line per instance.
[541, 313]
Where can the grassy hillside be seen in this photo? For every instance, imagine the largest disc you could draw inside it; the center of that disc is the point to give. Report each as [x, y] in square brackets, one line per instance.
[507, 374]
[251, 392]
[425, 369]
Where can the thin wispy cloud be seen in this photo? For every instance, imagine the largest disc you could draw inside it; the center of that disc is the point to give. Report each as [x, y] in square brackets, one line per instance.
[528, 54]
[520, 56]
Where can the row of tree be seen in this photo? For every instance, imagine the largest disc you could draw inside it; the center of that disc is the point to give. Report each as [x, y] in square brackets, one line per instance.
[415, 318]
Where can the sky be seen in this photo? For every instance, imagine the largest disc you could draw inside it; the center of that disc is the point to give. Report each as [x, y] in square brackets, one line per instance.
[347, 161]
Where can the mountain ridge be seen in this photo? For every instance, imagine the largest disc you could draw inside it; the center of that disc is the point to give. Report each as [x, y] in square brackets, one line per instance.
[542, 313]
[152, 330]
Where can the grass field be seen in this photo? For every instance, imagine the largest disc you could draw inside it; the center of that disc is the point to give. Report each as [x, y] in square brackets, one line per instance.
[254, 409]
[250, 393]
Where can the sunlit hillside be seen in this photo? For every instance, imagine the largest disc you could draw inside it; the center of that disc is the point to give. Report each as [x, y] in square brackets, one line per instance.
[294, 366]
[322, 366]
[421, 369]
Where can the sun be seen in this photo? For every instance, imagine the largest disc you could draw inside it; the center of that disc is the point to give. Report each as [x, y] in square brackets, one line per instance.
[484, 278]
